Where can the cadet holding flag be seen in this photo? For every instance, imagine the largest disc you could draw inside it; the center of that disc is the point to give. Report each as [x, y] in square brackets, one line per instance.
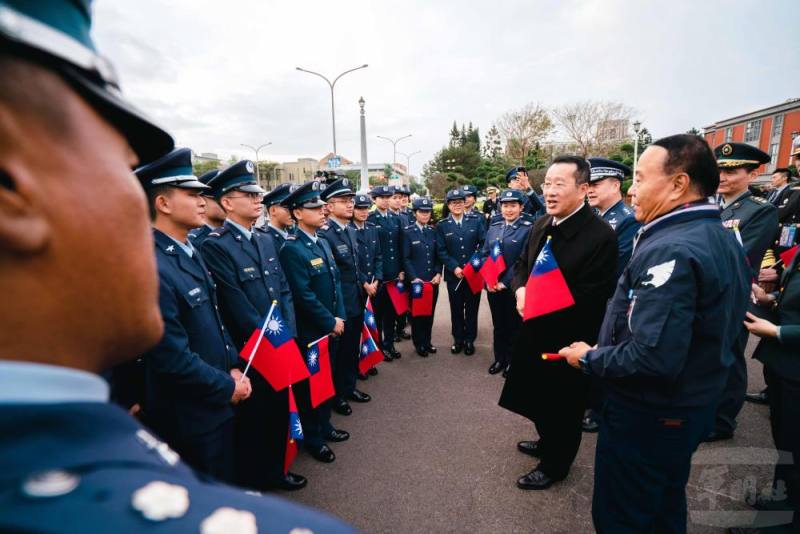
[666, 341]
[570, 259]
[506, 240]
[370, 260]
[457, 238]
[421, 264]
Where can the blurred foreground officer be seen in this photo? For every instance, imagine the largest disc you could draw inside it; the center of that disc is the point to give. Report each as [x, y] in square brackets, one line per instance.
[370, 259]
[457, 239]
[511, 235]
[61, 443]
[214, 216]
[344, 246]
[550, 393]
[249, 278]
[777, 350]
[319, 307]
[665, 345]
[753, 221]
[190, 379]
[421, 264]
[279, 222]
[389, 228]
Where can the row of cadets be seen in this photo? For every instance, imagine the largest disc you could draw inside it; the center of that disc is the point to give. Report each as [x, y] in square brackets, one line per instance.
[458, 237]
[423, 269]
[214, 216]
[279, 222]
[505, 239]
[249, 279]
[342, 239]
[399, 206]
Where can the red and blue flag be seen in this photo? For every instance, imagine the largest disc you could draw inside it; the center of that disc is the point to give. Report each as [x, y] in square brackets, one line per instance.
[494, 265]
[546, 290]
[370, 321]
[370, 355]
[421, 299]
[294, 435]
[318, 361]
[399, 296]
[472, 273]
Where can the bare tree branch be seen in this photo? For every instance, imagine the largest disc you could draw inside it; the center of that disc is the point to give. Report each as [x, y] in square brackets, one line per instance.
[523, 128]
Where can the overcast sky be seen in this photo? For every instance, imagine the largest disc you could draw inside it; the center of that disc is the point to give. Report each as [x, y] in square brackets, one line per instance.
[218, 74]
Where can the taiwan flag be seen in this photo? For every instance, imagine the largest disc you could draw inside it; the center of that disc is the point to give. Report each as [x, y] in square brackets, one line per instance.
[369, 319]
[370, 355]
[272, 351]
[397, 292]
[788, 255]
[472, 273]
[546, 290]
[494, 265]
[295, 433]
[318, 360]
[421, 299]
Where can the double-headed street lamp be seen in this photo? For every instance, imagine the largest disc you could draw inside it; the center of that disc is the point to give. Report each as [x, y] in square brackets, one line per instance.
[331, 84]
[256, 150]
[408, 160]
[394, 146]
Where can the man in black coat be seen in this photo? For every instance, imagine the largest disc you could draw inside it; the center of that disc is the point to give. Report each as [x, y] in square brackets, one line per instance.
[551, 393]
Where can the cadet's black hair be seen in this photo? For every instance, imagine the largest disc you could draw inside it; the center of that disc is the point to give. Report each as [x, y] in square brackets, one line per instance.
[691, 154]
[582, 170]
[154, 193]
[785, 171]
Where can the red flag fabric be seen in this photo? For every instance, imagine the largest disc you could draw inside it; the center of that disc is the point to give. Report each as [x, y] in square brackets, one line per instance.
[472, 273]
[295, 433]
[494, 265]
[421, 299]
[369, 320]
[370, 355]
[399, 296]
[788, 255]
[546, 290]
[318, 360]
[276, 355]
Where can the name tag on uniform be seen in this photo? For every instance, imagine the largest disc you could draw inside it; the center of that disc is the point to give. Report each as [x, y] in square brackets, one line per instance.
[449, 234]
[194, 291]
[249, 270]
[316, 262]
[342, 248]
[415, 242]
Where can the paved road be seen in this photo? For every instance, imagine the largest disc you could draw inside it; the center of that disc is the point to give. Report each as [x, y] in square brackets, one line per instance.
[434, 453]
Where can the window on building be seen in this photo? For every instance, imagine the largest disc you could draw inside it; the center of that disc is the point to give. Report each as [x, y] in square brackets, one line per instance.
[752, 131]
[728, 135]
[777, 126]
[773, 154]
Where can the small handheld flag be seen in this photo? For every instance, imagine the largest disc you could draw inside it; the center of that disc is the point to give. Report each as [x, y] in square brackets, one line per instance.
[369, 355]
[494, 265]
[472, 273]
[318, 361]
[546, 290]
[398, 295]
[788, 255]
[421, 299]
[369, 320]
[294, 435]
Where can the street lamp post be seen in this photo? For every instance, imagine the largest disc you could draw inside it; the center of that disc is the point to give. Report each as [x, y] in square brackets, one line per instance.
[408, 160]
[394, 146]
[331, 84]
[256, 150]
[636, 127]
[364, 163]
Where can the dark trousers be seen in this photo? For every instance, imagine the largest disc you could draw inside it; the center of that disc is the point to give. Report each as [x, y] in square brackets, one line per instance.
[732, 398]
[642, 464]
[784, 418]
[506, 322]
[401, 321]
[559, 428]
[463, 311]
[210, 453]
[347, 356]
[385, 318]
[421, 327]
[316, 422]
[260, 428]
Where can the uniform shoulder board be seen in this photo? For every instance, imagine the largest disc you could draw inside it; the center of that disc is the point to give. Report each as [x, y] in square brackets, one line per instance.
[498, 223]
[760, 200]
[324, 226]
[218, 232]
[291, 237]
[527, 223]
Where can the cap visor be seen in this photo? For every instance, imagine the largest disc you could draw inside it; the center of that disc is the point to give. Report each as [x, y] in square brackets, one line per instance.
[250, 188]
[192, 184]
[313, 204]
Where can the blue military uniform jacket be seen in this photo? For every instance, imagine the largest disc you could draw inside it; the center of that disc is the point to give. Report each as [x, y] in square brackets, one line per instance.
[277, 237]
[108, 456]
[370, 257]
[757, 221]
[668, 332]
[316, 288]
[457, 243]
[623, 220]
[198, 235]
[249, 277]
[406, 218]
[188, 387]
[513, 240]
[344, 246]
[420, 259]
[389, 230]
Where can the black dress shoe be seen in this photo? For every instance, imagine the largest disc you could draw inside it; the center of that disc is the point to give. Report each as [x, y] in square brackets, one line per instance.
[531, 448]
[359, 396]
[337, 435]
[341, 407]
[291, 482]
[717, 435]
[323, 454]
[506, 370]
[535, 480]
[387, 355]
[431, 349]
[363, 376]
[757, 398]
[590, 425]
[402, 334]
[397, 338]
[768, 504]
[469, 348]
[395, 353]
[422, 352]
[495, 368]
[373, 371]
[457, 347]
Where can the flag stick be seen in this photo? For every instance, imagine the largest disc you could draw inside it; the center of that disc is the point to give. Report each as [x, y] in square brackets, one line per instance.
[551, 356]
[459, 284]
[317, 341]
[258, 341]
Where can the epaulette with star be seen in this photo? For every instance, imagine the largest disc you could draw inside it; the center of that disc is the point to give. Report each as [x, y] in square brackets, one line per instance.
[219, 232]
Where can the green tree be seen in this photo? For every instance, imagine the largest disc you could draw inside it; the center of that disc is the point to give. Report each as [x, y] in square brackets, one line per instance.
[493, 144]
[455, 136]
[202, 167]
